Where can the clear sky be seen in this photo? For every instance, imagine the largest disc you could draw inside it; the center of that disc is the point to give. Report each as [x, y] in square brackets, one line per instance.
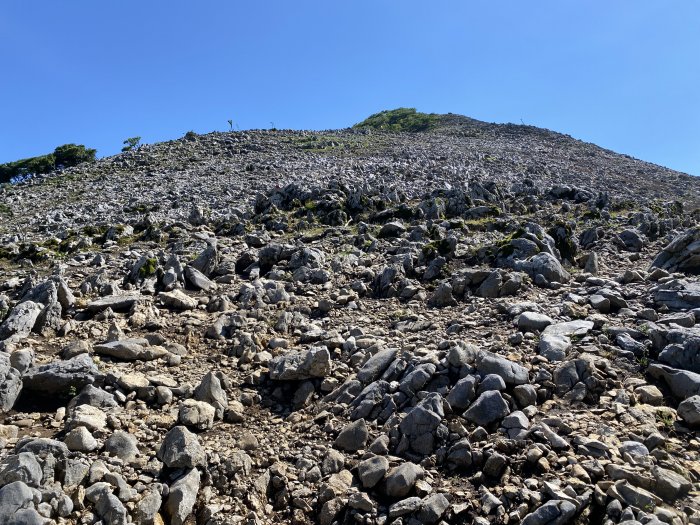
[622, 74]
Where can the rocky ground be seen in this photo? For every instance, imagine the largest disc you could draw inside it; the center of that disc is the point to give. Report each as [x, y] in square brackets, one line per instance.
[477, 324]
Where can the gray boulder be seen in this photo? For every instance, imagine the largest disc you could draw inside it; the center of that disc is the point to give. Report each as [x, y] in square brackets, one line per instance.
[682, 383]
[122, 445]
[116, 303]
[107, 506]
[181, 449]
[182, 497]
[131, 350]
[211, 391]
[569, 329]
[10, 383]
[488, 408]
[376, 365]
[372, 470]
[21, 320]
[353, 437]
[442, 296]
[532, 321]
[17, 505]
[512, 373]
[544, 264]
[554, 347]
[689, 410]
[401, 480]
[554, 512]
[59, 377]
[296, 366]
[682, 254]
[21, 467]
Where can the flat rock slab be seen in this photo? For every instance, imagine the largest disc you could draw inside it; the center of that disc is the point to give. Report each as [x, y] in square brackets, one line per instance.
[569, 329]
[118, 303]
[130, 350]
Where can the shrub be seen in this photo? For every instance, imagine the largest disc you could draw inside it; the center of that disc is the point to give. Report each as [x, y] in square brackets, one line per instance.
[131, 143]
[401, 119]
[73, 154]
[63, 157]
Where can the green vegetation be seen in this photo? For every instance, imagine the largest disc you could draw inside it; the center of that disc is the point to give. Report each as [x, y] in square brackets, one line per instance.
[63, 157]
[401, 119]
[131, 143]
[149, 267]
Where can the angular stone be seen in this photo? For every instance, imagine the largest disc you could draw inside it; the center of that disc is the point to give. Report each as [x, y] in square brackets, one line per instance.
[353, 437]
[554, 512]
[181, 449]
[532, 321]
[376, 365]
[182, 497]
[512, 373]
[400, 480]
[178, 300]
[296, 366]
[488, 408]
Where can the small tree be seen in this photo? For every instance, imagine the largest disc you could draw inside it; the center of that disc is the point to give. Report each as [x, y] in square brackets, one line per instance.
[131, 143]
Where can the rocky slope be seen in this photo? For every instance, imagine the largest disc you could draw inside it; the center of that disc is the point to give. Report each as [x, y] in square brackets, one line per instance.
[476, 324]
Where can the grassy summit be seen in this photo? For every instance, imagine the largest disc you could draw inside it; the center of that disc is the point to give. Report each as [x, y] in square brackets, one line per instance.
[401, 119]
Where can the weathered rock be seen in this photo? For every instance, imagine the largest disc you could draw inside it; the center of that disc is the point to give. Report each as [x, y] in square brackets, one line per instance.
[532, 321]
[10, 383]
[353, 436]
[544, 264]
[512, 373]
[554, 347]
[107, 506]
[211, 391]
[116, 303]
[400, 480]
[689, 410]
[60, 377]
[569, 329]
[178, 300]
[554, 512]
[21, 320]
[376, 365]
[130, 350]
[488, 408]
[295, 366]
[682, 383]
[182, 497]
[181, 449]
[21, 467]
[372, 470]
[197, 414]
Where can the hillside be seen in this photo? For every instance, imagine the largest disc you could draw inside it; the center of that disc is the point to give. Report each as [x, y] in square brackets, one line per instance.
[470, 323]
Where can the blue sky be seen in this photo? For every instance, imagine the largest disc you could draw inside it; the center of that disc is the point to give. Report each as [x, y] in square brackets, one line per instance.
[622, 74]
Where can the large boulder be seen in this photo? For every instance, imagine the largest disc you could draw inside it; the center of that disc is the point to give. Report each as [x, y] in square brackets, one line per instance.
[59, 377]
[296, 366]
[10, 383]
[544, 264]
[682, 254]
[21, 320]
